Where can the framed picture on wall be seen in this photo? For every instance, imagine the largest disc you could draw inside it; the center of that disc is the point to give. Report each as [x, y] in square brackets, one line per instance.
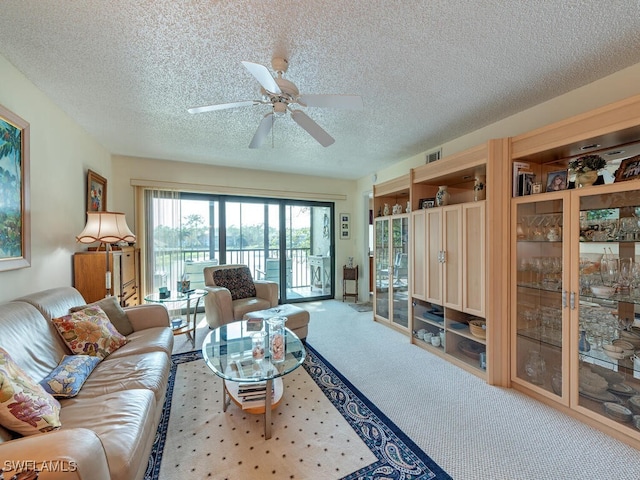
[557, 181]
[428, 202]
[345, 222]
[15, 219]
[96, 192]
[629, 169]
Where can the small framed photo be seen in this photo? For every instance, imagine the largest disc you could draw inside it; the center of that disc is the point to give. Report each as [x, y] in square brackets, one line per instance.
[96, 192]
[345, 222]
[629, 169]
[557, 181]
[428, 202]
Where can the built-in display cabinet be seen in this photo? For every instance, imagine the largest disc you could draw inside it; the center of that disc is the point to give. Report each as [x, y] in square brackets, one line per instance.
[575, 273]
[391, 253]
[450, 253]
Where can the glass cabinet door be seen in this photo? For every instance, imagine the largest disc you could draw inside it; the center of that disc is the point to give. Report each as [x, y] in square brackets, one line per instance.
[540, 298]
[382, 272]
[400, 271]
[609, 283]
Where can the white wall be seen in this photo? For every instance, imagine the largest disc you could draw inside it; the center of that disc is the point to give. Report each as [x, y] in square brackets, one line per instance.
[61, 153]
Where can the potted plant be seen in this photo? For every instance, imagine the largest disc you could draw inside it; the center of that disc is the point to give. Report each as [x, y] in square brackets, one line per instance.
[586, 168]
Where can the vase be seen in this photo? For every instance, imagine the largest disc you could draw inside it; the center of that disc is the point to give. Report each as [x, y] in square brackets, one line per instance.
[443, 196]
[480, 188]
[583, 343]
[277, 343]
[585, 179]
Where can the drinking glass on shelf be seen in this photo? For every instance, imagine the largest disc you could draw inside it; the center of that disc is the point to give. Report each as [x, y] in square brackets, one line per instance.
[609, 271]
[625, 274]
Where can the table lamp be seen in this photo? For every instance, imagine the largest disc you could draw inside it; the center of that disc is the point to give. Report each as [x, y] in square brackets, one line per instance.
[107, 228]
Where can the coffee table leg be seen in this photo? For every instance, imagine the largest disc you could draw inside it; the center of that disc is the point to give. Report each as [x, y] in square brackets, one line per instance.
[225, 402]
[267, 410]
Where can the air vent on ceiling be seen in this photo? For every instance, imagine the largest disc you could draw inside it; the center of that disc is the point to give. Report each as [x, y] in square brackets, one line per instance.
[434, 155]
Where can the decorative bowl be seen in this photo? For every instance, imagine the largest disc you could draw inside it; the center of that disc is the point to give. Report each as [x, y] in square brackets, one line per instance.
[617, 352]
[603, 291]
[634, 404]
[471, 349]
[592, 382]
[478, 328]
[176, 322]
[636, 421]
[618, 412]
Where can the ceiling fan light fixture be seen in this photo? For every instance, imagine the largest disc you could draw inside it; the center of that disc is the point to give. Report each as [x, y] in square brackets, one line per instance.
[279, 109]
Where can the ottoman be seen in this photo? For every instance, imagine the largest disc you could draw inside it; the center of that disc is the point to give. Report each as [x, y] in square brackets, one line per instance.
[297, 318]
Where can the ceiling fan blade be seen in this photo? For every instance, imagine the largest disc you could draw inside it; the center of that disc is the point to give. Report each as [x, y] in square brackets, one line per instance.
[263, 130]
[315, 130]
[222, 106]
[349, 102]
[263, 76]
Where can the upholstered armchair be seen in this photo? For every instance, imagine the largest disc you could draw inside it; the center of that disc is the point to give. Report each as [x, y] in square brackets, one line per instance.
[233, 292]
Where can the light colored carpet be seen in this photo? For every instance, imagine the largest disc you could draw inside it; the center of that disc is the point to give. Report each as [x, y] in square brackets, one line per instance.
[472, 430]
[310, 437]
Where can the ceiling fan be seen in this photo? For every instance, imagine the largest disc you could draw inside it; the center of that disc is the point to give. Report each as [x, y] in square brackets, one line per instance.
[282, 95]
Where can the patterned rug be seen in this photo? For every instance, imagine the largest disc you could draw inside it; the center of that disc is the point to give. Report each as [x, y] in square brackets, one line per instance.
[362, 443]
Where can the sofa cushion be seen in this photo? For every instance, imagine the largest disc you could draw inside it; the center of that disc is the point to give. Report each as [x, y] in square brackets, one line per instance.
[237, 280]
[25, 407]
[117, 316]
[89, 332]
[156, 339]
[148, 371]
[67, 378]
[245, 305]
[125, 423]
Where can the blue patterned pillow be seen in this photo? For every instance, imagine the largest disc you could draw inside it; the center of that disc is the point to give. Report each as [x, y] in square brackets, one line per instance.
[67, 378]
[238, 280]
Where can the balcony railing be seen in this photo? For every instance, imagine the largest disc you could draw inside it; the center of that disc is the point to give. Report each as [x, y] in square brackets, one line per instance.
[169, 262]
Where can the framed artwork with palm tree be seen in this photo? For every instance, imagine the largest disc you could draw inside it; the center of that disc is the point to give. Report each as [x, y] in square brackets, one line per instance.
[15, 220]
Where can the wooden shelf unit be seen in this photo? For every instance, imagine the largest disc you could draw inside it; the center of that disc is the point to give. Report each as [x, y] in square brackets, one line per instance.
[614, 127]
[89, 270]
[455, 254]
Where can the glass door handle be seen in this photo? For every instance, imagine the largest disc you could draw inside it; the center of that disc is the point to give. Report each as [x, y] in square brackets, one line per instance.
[572, 300]
[564, 299]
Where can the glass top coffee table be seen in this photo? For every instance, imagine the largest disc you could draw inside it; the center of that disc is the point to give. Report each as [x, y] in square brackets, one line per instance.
[228, 351]
[179, 327]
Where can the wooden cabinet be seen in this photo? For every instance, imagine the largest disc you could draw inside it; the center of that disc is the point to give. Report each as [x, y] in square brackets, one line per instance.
[452, 253]
[89, 270]
[575, 276]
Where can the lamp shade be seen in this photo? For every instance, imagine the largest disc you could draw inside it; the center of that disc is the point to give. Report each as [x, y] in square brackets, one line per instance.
[106, 227]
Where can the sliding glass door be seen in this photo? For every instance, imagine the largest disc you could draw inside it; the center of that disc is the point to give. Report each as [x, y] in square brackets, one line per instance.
[286, 241]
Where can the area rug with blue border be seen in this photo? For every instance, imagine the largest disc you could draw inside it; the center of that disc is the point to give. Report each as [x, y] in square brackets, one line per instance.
[397, 456]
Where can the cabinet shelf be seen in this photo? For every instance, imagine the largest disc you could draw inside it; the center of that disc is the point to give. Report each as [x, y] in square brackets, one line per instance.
[555, 289]
[466, 333]
[545, 241]
[434, 323]
[537, 334]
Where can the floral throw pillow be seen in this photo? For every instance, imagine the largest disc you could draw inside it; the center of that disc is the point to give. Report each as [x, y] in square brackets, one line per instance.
[25, 407]
[114, 311]
[89, 332]
[237, 280]
[67, 378]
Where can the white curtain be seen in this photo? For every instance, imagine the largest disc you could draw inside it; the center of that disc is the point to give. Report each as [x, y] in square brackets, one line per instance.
[164, 266]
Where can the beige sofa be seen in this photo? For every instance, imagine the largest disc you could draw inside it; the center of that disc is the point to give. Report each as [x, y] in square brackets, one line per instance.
[107, 429]
[223, 305]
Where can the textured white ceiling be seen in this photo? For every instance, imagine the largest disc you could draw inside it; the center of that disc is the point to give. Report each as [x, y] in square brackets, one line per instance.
[428, 71]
